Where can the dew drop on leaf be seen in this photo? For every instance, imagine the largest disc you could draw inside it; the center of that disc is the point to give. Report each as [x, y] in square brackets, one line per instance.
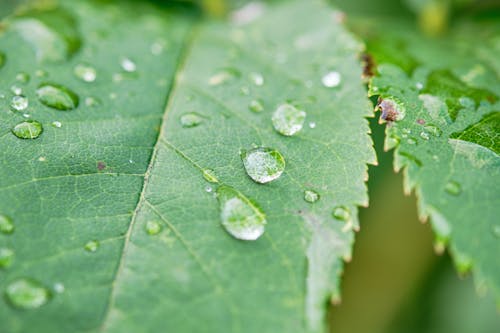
[153, 228]
[19, 103]
[57, 96]
[91, 246]
[85, 72]
[16, 90]
[208, 189]
[239, 216]
[341, 213]
[453, 187]
[23, 77]
[6, 257]
[263, 164]
[27, 294]
[433, 130]
[288, 120]
[424, 135]
[331, 79]
[92, 101]
[29, 129]
[256, 106]
[57, 124]
[128, 65]
[496, 230]
[191, 119]
[6, 225]
[210, 176]
[223, 76]
[59, 287]
[257, 78]
[311, 196]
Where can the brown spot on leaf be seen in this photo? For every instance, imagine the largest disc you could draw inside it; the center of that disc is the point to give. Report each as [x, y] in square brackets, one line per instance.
[390, 110]
[368, 65]
[420, 121]
[101, 166]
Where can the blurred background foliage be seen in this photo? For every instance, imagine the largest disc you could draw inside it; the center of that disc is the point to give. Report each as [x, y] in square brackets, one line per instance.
[396, 283]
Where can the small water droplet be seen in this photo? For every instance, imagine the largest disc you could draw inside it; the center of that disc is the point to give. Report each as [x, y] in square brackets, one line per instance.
[496, 230]
[16, 90]
[288, 120]
[210, 176]
[341, 213]
[312, 124]
[240, 217]
[57, 96]
[128, 65]
[92, 101]
[311, 196]
[424, 135]
[411, 141]
[23, 77]
[27, 294]
[6, 257]
[157, 47]
[191, 119]
[59, 287]
[256, 106]
[41, 73]
[331, 79]
[91, 246]
[263, 164]
[6, 225]
[57, 124]
[257, 79]
[419, 85]
[153, 228]
[19, 103]
[453, 187]
[208, 189]
[85, 72]
[223, 76]
[434, 130]
[29, 129]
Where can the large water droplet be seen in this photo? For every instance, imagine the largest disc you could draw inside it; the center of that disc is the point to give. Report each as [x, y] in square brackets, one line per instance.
[191, 119]
[91, 246]
[6, 225]
[331, 79]
[288, 120]
[256, 106]
[311, 196]
[263, 164]
[57, 96]
[153, 227]
[85, 72]
[29, 129]
[19, 103]
[342, 213]
[6, 257]
[128, 65]
[27, 294]
[453, 187]
[210, 176]
[240, 217]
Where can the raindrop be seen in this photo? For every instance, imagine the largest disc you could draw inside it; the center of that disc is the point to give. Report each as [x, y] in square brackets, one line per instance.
[412, 141]
[23, 77]
[288, 120]
[92, 101]
[311, 196]
[153, 228]
[453, 187]
[331, 79]
[57, 96]
[210, 176]
[59, 287]
[16, 90]
[128, 65]
[496, 230]
[240, 217]
[434, 130]
[57, 124]
[6, 225]
[257, 79]
[424, 135]
[256, 106]
[263, 164]
[19, 103]
[312, 124]
[29, 129]
[341, 213]
[6, 257]
[208, 189]
[40, 73]
[191, 119]
[419, 85]
[223, 76]
[27, 294]
[91, 246]
[85, 72]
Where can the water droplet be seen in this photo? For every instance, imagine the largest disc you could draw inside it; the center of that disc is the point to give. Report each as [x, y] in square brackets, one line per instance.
[6, 257]
[210, 176]
[331, 79]
[29, 129]
[257, 79]
[240, 217]
[16, 90]
[263, 164]
[92, 101]
[27, 294]
[311, 196]
[57, 124]
[91, 246]
[341, 213]
[453, 187]
[256, 106]
[424, 135]
[128, 65]
[157, 47]
[288, 120]
[419, 85]
[6, 225]
[411, 141]
[41, 73]
[19, 103]
[208, 189]
[223, 76]
[496, 230]
[392, 109]
[59, 287]
[153, 228]
[434, 130]
[312, 124]
[85, 72]
[23, 77]
[191, 119]
[57, 96]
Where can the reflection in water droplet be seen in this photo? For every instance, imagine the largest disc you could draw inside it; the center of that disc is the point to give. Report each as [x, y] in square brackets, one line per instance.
[263, 164]
[6, 257]
[256, 106]
[240, 217]
[19, 103]
[85, 72]
[191, 119]
[342, 213]
[29, 129]
[257, 79]
[288, 120]
[23, 77]
[57, 124]
[331, 79]
[153, 228]
[210, 176]
[91, 246]
[311, 196]
[128, 65]
[16, 90]
[453, 187]
[6, 225]
[57, 96]
[26, 294]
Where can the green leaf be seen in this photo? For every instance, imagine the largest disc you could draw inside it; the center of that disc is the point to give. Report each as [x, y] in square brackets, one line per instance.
[447, 138]
[115, 224]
